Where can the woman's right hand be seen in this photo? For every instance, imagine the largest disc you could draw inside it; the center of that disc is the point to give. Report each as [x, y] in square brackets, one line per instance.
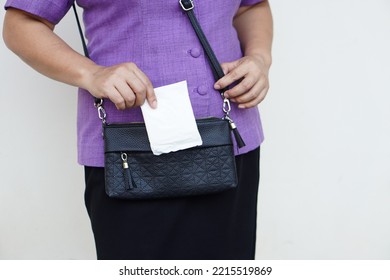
[124, 84]
[32, 38]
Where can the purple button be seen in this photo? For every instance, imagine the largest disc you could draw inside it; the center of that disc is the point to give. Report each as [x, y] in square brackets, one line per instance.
[195, 52]
[202, 90]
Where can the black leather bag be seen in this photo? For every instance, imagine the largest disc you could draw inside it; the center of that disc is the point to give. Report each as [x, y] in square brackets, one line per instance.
[133, 172]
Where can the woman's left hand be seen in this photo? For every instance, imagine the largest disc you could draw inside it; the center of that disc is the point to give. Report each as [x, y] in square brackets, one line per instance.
[251, 72]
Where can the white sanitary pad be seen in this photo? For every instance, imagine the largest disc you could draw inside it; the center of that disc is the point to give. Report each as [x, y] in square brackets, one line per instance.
[172, 126]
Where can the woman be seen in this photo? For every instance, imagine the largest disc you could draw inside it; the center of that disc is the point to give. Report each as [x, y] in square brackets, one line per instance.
[135, 46]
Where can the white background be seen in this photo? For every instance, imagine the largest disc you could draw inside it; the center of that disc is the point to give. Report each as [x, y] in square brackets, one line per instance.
[325, 186]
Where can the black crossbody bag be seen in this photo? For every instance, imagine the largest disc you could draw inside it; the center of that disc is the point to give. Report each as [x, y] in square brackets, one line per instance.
[133, 172]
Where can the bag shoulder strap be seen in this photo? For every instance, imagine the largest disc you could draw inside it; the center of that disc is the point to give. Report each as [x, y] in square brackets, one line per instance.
[85, 49]
[188, 7]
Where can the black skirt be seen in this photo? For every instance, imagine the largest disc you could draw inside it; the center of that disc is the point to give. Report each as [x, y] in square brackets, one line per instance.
[209, 227]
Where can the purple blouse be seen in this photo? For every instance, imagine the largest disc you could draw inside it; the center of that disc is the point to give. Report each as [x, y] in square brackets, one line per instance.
[159, 39]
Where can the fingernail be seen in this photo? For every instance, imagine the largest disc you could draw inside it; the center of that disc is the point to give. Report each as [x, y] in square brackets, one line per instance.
[241, 106]
[217, 86]
[226, 95]
[154, 104]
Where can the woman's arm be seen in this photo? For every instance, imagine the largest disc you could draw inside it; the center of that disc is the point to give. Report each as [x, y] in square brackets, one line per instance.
[255, 31]
[33, 40]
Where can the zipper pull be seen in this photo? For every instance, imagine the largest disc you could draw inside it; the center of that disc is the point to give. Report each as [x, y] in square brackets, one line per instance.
[240, 142]
[126, 172]
[124, 161]
[226, 109]
[236, 133]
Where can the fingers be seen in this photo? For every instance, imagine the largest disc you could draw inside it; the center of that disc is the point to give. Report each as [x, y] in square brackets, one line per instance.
[251, 77]
[248, 90]
[229, 66]
[124, 84]
[117, 99]
[138, 90]
[149, 90]
[233, 73]
[253, 99]
[241, 88]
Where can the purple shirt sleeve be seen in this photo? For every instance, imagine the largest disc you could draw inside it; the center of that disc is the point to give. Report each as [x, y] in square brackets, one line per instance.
[250, 2]
[51, 10]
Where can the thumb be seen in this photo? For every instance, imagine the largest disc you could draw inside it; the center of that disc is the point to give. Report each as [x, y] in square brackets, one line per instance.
[150, 94]
[151, 98]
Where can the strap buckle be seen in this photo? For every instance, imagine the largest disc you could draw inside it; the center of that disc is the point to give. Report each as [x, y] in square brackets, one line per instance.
[186, 5]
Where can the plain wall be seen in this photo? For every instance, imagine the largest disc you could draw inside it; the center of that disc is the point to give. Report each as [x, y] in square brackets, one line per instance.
[325, 180]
